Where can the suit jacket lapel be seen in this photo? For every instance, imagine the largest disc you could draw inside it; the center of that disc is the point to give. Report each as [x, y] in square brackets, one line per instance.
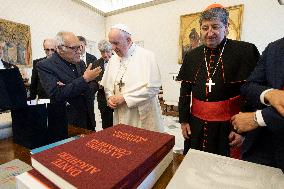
[101, 64]
[87, 60]
[278, 68]
[6, 64]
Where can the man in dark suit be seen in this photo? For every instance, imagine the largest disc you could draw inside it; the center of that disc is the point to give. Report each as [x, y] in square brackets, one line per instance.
[65, 79]
[86, 57]
[36, 88]
[106, 112]
[264, 141]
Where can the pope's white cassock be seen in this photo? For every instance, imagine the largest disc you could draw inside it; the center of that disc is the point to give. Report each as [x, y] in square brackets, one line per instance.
[137, 77]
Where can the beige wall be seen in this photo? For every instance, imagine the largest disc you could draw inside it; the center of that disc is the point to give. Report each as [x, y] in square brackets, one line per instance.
[46, 18]
[158, 27]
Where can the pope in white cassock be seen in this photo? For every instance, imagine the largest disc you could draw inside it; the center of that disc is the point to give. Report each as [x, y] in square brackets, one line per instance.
[132, 81]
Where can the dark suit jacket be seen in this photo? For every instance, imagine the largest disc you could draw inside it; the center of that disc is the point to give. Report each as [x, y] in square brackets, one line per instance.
[75, 91]
[266, 144]
[12, 90]
[8, 81]
[99, 62]
[36, 87]
[90, 58]
[102, 103]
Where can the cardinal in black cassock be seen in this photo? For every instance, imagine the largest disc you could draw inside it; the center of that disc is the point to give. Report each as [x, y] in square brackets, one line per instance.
[211, 77]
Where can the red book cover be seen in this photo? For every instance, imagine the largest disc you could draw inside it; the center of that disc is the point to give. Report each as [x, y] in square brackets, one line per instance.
[117, 157]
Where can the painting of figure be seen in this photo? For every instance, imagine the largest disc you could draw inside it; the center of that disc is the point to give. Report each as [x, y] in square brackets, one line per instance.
[16, 38]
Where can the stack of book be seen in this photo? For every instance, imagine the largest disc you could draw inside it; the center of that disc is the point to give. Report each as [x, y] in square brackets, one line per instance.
[118, 157]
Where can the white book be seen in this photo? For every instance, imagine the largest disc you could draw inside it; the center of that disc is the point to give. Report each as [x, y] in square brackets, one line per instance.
[200, 170]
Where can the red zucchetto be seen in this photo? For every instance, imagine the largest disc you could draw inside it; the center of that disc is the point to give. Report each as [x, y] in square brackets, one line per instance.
[214, 5]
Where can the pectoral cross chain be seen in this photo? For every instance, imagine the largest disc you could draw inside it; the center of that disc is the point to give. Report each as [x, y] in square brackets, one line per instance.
[210, 84]
[120, 84]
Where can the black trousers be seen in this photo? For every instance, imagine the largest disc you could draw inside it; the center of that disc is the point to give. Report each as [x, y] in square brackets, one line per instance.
[106, 112]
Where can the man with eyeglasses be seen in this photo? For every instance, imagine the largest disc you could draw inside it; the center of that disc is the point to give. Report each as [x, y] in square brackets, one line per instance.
[36, 90]
[211, 76]
[65, 79]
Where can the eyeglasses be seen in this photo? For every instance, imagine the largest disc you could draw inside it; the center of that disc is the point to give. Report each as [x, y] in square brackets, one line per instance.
[52, 50]
[74, 48]
[213, 27]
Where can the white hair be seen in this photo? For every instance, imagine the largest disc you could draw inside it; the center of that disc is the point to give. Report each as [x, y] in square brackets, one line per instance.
[59, 38]
[104, 46]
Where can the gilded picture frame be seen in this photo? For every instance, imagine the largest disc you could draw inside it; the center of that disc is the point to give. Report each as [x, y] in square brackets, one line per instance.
[189, 37]
[17, 43]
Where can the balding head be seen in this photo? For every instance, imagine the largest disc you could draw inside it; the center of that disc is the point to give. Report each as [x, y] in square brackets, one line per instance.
[68, 46]
[49, 46]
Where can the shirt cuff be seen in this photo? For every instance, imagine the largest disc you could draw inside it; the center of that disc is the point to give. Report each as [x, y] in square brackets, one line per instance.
[262, 97]
[259, 118]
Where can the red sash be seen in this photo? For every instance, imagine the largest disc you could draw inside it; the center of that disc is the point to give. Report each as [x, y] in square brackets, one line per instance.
[216, 111]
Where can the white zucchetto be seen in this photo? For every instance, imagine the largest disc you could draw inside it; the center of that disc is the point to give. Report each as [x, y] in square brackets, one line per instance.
[121, 27]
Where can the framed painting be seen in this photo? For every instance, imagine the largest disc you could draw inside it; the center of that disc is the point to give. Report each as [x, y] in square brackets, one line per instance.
[17, 43]
[189, 37]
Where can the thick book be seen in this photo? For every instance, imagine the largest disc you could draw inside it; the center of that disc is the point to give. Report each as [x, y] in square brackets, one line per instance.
[34, 180]
[206, 170]
[117, 157]
[8, 172]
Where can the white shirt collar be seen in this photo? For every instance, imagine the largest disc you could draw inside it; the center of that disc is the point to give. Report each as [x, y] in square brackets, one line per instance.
[83, 57]
[1, 65]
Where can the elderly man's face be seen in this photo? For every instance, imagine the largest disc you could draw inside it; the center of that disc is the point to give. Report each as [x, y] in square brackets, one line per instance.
[49, 47]
[212, 32]
[120, 42]
[71, 50]
[106, 55]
